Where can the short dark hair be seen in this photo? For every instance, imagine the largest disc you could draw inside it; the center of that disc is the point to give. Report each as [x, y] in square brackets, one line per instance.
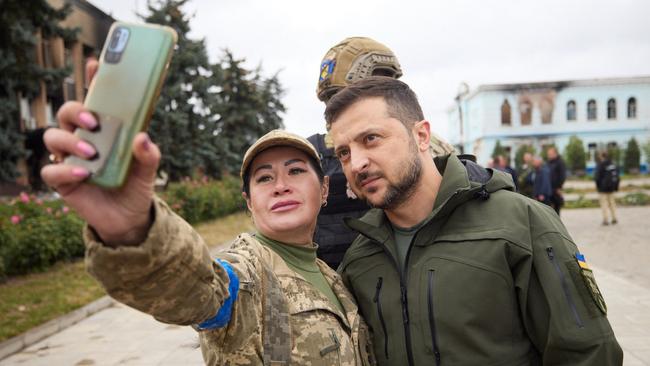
[401, 101]
[246, 179]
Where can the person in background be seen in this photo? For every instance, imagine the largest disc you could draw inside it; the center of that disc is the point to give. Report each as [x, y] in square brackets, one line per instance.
[526, 181]
[453, 267]
[557, 169]
[502, 164]
[607, 181]
[541, 178]
[350, 60]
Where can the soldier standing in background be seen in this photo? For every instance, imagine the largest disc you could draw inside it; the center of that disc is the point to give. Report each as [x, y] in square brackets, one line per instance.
[607, 181]
[352, 59]
[558, 176]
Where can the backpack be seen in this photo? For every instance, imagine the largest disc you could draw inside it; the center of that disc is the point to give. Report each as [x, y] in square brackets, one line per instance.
[610, 180]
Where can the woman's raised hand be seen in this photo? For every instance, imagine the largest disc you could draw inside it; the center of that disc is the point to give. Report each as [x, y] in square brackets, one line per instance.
[120, 217]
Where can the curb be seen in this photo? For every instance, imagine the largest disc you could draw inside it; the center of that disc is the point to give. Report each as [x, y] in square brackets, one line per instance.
[24, 340]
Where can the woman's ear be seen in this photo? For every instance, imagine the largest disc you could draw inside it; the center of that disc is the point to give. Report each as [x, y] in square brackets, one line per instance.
[325, 188]
[248, 201]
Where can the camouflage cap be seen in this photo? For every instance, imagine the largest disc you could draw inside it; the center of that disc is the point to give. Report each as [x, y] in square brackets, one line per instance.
[354, 59]
[277, 138]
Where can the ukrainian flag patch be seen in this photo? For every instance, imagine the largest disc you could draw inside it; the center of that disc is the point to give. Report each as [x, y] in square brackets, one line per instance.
[581, 261]
[326, 69]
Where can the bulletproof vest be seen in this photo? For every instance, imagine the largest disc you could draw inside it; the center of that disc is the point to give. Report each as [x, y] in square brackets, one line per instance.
[332, 236]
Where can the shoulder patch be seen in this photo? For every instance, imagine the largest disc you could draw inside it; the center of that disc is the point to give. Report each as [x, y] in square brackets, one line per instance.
[590, 282]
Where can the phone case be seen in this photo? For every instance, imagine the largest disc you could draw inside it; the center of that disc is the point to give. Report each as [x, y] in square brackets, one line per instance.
[123, 95]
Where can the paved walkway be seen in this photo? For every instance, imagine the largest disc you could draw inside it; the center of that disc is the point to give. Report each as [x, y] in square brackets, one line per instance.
[119, 335]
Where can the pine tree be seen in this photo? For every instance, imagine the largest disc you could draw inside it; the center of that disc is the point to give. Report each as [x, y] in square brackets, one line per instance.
[632, 157]
[208, 114]
[246, 105]
[180, 117]
[575, 155]
[20, 22]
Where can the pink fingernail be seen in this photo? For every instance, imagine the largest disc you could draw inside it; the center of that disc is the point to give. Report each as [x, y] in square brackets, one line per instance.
[86, 149]
[80, 172]
[88, 120]
[146, 144]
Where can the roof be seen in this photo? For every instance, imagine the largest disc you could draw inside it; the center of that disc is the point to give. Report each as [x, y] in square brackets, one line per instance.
[565, 83]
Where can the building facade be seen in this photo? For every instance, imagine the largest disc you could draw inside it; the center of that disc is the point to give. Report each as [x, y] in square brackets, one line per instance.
[601, 112]
[38, 113]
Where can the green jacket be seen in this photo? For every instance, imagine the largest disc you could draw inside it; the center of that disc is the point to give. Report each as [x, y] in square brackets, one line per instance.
[492, 279]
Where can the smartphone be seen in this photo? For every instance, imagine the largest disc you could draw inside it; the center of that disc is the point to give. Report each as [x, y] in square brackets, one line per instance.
[122, 96]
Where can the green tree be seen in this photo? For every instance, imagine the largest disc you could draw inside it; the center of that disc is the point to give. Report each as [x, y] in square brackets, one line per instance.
[519, 155]
[180, 117]
[208, 114]
[246, 106]
[499, 150]
[20, 24]
[632, 157]
[615, 153]
[575, 155]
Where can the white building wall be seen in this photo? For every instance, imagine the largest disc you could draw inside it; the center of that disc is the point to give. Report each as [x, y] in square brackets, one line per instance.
[482, 118]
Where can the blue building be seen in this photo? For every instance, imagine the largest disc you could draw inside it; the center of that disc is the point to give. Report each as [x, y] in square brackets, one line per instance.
[601, 112]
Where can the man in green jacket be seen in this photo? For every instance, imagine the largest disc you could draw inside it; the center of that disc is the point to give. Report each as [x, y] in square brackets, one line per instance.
[452, 267]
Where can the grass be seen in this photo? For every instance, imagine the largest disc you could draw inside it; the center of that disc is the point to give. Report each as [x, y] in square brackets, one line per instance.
[31, 300]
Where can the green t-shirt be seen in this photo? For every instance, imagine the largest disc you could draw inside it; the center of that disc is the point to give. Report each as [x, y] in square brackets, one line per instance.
[302, 260]
[403, 238]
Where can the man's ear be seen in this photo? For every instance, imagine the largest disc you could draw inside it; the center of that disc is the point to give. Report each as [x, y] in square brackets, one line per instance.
[422, 134]
[325, 188]
[248, 201]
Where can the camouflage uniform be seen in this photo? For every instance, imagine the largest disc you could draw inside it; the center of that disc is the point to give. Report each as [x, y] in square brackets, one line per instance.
[277, 317]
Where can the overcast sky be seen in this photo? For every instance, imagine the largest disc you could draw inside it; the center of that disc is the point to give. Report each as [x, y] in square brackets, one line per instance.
[439, 43]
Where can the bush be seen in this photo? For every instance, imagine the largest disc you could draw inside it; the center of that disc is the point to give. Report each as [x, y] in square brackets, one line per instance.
[635, 199]
[632, 157]
[575, 156]
[205, 199]
[36, 234]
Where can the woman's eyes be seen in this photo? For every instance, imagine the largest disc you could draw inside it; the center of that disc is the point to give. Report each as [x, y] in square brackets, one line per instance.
[268, 177]
[264, 178]
[294, 171]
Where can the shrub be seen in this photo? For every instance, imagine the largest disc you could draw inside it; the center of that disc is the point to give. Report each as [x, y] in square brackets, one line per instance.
[36, 234]
[205, 199]
[632, 157]
[575, 156]
[635, 199]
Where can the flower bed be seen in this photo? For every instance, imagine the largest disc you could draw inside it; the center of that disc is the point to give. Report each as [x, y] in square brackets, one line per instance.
[34, 233]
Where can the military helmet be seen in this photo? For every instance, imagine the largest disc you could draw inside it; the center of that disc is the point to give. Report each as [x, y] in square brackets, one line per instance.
[354, 59]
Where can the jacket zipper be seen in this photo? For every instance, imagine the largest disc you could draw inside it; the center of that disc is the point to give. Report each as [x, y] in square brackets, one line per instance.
[565, 287]
[405, 304]
[404, 301]
[381, 315]
[432, 320]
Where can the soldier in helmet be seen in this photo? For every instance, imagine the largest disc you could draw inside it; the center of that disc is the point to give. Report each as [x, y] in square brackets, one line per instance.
[351, 60]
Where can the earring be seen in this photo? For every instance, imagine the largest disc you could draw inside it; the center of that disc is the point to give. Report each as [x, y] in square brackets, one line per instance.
[324, 204]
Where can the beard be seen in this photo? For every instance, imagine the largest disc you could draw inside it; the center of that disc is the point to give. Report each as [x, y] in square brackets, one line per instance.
[399, 192]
